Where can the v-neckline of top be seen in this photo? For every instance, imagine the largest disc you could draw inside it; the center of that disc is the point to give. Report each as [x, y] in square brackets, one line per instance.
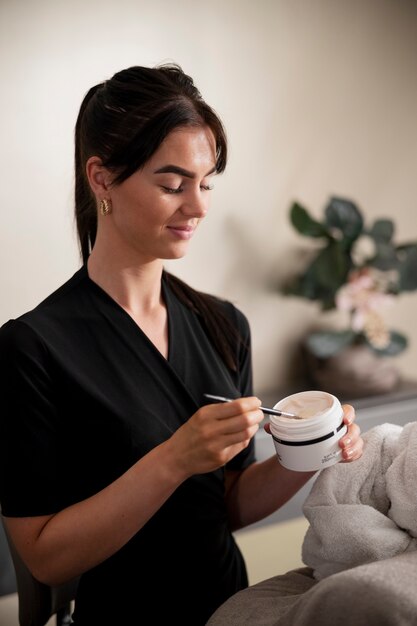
[122, 310]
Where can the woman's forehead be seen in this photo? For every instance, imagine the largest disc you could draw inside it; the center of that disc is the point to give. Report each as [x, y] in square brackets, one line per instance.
[186, 146]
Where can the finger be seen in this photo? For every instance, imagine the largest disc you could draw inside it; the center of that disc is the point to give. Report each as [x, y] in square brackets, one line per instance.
[240, 423]
[234, 407]
[351, 437]
[352, 444]
[348, 413]
[354, 452]
[231, 439]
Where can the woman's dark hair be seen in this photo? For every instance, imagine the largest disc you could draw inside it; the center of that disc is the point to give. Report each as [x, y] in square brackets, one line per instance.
[123, 121]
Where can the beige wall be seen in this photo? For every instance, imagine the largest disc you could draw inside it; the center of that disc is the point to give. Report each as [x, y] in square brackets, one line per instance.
[319, 97]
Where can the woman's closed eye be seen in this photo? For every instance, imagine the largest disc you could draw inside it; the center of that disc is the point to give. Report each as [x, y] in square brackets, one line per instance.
[180, 189]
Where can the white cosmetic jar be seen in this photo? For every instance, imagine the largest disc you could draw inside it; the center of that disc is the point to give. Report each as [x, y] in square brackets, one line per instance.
[311, 443]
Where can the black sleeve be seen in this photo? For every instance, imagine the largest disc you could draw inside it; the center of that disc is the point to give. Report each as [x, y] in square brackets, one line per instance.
[245, 356]
[244, 383]
[29, 431]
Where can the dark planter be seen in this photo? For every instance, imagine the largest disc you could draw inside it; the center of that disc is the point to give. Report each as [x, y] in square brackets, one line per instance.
[354, 372]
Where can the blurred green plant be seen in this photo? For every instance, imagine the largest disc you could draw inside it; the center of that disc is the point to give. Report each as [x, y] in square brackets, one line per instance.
[356, 269]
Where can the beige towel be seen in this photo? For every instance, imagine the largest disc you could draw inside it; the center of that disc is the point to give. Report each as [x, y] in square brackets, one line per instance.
[367, 510]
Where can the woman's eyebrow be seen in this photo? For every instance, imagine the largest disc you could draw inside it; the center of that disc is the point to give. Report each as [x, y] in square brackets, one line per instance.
[175, 169]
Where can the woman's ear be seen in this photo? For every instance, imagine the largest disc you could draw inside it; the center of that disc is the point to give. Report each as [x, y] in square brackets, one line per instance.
[98, 176]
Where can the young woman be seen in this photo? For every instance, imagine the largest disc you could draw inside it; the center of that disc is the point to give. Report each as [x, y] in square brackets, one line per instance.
[114, 466]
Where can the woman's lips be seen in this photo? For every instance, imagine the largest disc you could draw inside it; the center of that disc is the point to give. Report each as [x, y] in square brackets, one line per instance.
[182, 232]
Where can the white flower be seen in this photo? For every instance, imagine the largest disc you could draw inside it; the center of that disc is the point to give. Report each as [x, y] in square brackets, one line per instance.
[376, 331]
[363, 296]
[362, 250]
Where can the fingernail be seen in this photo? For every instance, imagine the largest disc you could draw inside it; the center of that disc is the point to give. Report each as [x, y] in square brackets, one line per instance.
[346, 442]
[348, 453]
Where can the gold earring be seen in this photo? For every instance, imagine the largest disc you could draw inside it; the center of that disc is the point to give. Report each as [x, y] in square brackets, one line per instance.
[105, 206]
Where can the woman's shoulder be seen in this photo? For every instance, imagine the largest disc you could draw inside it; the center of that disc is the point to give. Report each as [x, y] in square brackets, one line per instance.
[200, 300]
[232, 310]
[26, 329]
[62, 293]
[19, 343]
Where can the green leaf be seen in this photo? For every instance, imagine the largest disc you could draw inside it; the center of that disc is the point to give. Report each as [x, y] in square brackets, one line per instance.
[407, 246]
[306, 286]
[397, 344]
[297, 288]
[331, 266]
[324, 344]
[327, 272]
[385, 257]
[344, 215]
[407, 267]
[382, 230]
[305, 224]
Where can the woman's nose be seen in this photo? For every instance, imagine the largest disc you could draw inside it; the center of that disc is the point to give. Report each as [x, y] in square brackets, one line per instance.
[195, 204]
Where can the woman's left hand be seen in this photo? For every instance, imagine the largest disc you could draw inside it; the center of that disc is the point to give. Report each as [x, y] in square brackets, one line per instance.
[352, 442]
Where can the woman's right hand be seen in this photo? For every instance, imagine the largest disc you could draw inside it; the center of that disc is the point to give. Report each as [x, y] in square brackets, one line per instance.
[215, 434]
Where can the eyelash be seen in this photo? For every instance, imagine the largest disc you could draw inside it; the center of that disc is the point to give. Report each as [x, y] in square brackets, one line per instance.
[172, 190]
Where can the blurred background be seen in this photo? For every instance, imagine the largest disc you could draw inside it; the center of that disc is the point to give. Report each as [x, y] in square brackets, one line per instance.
[319, 98]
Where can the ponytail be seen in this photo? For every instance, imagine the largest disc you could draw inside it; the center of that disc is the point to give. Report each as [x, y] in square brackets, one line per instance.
[85, 205]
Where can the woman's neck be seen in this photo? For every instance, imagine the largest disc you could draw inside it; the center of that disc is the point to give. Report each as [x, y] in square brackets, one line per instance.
[135, 287]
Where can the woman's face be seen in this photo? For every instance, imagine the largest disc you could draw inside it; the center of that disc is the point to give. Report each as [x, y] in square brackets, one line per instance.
[157, 209]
